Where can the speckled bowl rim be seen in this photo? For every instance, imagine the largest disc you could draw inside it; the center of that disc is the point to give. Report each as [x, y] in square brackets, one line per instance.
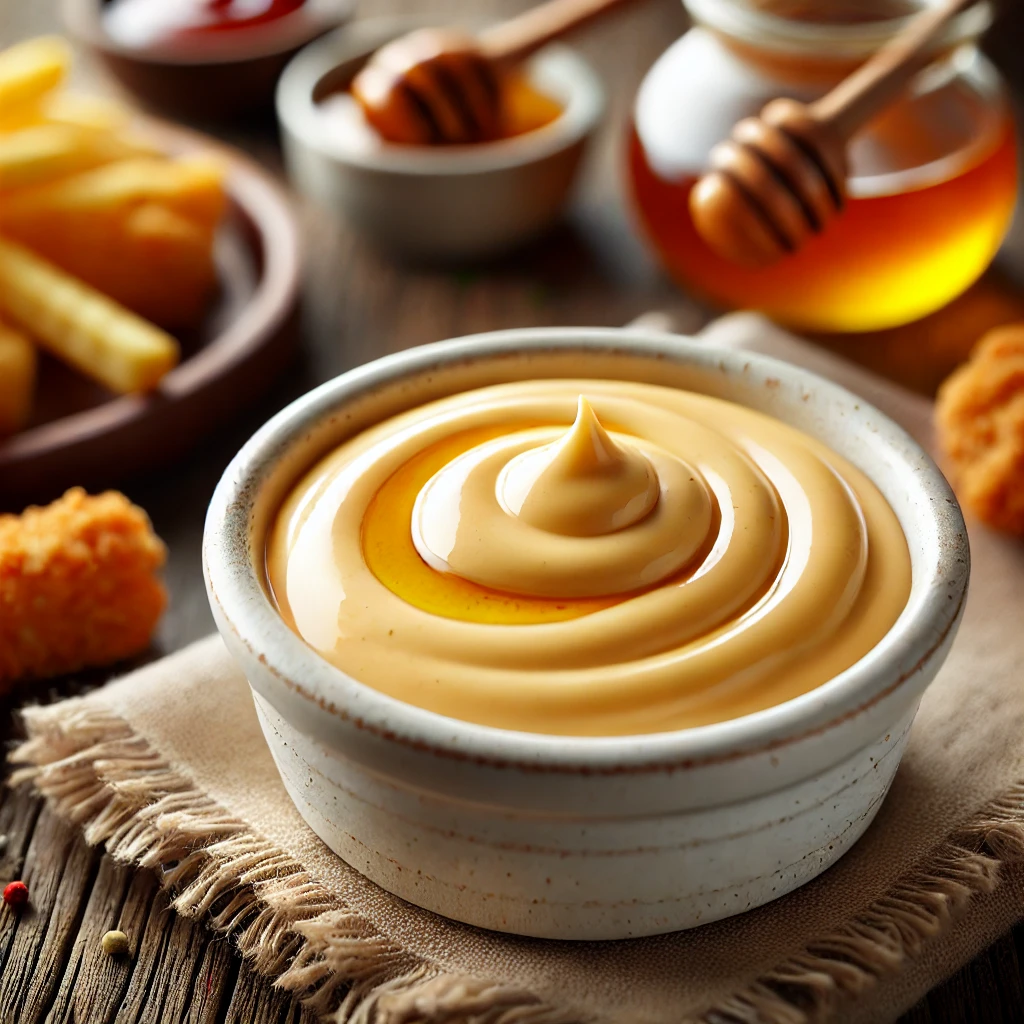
[739, 19]
[235, 583]
[297, 113]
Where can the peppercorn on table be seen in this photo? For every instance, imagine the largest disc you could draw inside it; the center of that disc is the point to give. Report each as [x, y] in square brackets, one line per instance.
[54, 963]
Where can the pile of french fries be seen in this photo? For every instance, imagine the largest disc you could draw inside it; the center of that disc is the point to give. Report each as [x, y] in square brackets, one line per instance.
[105, 243]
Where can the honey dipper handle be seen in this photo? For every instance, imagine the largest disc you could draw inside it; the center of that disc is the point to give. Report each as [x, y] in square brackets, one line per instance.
[876, 83]
[520, 36]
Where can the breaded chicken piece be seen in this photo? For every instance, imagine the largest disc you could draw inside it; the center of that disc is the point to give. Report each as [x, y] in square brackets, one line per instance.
[980, 419]
[78, 585]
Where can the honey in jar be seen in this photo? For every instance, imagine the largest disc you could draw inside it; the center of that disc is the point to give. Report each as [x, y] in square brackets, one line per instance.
[933, 180]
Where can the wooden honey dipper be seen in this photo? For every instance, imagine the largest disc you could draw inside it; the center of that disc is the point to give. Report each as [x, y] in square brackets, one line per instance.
[781, 177]
[440, 85]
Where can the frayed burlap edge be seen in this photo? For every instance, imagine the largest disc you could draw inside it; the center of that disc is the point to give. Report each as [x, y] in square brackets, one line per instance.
[96, 772]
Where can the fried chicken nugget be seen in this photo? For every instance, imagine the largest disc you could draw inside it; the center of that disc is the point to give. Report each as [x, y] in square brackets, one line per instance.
[980, 420]
[78, 585]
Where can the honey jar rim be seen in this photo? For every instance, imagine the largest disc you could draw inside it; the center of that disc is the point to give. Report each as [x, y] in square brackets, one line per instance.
[762, 30]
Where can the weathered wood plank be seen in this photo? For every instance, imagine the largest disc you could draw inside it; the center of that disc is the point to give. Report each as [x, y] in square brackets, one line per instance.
[58, 871]
[18, 815]
[215, 982]
[171, 990]
[299, 1015]
[994, 982]
[170, 950]
[19, 810]
[94, 984]
[254, 1001]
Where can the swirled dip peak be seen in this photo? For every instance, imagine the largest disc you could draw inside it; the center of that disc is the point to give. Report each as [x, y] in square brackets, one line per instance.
[583, 485]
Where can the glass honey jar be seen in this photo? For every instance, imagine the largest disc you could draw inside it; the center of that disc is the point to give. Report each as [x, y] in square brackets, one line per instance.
[933, 180]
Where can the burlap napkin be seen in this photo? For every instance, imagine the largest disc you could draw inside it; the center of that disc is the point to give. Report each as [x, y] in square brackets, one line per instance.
[169, 769]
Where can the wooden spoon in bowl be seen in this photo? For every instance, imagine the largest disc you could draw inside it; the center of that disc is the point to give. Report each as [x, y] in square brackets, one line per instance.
[781, 177]
[442, 85]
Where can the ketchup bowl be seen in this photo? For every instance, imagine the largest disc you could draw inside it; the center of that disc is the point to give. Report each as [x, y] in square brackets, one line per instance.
[205, 74]
[584, 837]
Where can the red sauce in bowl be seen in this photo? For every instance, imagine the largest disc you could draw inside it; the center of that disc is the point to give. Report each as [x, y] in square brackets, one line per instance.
[144, 23]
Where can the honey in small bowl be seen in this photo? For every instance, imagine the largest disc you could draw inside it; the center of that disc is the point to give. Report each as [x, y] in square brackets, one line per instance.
[524, 108]
[933, 180]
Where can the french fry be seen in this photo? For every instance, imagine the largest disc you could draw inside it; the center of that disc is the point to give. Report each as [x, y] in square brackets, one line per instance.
[29, 70]
[72, 108]
[99, 112]
[17, 378]
[190, 186]
[82, 326]
[153, 261]
[102, 217]
[46, 152]
[102, 226]
[24, 116]
[175, 276]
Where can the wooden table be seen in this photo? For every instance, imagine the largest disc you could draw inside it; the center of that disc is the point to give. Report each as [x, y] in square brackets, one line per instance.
[356, 307]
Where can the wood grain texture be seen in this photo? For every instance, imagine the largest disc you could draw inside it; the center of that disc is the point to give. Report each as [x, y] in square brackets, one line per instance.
[357, 306]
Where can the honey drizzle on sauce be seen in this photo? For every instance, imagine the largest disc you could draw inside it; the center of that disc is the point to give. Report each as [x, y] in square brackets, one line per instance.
[392, 557]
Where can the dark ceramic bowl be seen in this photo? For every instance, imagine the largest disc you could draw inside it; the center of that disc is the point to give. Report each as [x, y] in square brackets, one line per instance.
[220, 79]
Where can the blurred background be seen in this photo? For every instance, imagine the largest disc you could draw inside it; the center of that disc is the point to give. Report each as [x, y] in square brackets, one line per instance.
[592, 268]
[354, 303]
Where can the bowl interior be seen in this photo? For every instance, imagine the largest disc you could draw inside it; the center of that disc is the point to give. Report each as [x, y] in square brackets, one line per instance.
[262, 474]
[328, 66]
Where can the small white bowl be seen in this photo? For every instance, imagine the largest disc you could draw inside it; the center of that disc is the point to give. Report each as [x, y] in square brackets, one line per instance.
[584, 838]
[433, 203]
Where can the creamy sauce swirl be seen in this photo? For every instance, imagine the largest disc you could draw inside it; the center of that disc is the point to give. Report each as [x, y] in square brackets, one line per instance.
[588, 558]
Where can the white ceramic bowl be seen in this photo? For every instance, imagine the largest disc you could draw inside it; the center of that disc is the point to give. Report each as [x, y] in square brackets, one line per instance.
[444, 203]
[584, 838]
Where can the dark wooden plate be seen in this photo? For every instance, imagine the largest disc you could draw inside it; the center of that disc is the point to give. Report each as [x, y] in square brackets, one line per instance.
[82, 434]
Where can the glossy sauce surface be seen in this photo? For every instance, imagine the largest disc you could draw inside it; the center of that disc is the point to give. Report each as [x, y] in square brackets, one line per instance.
[637, 560]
